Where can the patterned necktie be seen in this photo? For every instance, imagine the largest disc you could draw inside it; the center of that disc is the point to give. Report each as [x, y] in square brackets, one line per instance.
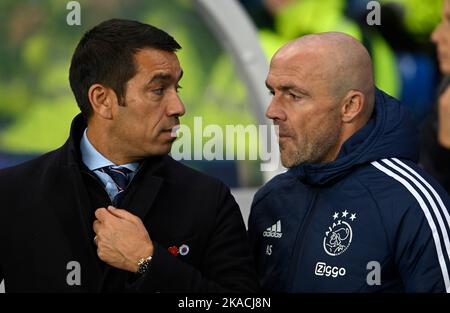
[120, 176]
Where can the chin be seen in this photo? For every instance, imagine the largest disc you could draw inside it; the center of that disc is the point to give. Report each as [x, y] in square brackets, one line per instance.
[157, 151]
[162, 151]
[287, 162]
[165, 149]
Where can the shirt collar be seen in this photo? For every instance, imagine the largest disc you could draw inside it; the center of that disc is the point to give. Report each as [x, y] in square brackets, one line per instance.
[95, 160]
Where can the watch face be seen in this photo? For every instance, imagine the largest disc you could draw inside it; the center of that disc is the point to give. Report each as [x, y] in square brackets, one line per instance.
[144, 264]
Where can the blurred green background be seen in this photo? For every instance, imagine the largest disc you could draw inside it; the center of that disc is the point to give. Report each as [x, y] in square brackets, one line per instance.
[37, 106]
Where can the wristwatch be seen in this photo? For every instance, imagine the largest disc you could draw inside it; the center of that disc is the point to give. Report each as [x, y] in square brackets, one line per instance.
[144, 265]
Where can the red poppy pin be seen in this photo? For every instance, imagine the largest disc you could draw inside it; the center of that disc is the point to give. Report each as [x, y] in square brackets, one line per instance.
[173, 250]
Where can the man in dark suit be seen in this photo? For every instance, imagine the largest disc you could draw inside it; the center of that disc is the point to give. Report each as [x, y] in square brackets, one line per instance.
[110, 210]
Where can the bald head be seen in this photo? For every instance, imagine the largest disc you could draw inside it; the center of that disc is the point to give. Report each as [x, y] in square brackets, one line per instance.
[338, 58]
[323, 92]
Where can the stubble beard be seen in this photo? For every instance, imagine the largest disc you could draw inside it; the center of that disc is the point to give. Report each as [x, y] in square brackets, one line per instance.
[311, 149]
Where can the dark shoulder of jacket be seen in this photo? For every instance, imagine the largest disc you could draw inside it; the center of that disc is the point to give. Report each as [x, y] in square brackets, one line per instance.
[272, 185]
[404, 188]
[178, 173]
[30, 168]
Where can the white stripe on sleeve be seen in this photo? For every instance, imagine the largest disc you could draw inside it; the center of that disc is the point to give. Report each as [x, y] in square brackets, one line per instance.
[425, 210]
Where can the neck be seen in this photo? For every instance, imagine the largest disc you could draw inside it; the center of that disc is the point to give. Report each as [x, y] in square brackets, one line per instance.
[108, 148]
[332, 154]
[347, 131]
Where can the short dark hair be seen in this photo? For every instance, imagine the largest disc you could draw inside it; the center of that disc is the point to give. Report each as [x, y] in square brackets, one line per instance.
[105, 55]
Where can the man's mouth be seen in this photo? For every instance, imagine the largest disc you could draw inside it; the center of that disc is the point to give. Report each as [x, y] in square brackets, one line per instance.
[282, 134]
[172, 130]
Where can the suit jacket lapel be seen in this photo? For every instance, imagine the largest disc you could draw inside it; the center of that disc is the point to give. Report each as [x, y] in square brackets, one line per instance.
[144, 188]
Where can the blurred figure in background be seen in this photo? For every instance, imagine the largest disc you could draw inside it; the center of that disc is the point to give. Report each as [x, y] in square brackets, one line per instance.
[435, 149]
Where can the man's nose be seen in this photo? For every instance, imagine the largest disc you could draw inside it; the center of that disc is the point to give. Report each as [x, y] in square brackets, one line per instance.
[176, 107]
[274, 112]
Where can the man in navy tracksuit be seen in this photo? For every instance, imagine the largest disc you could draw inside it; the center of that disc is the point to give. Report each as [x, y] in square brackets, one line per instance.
[353, 213]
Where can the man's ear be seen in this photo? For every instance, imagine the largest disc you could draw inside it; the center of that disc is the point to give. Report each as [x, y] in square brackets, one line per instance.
[102, 100]
[353, 106]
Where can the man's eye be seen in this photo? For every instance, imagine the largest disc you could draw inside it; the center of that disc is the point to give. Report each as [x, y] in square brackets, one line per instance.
[295, 97]
[178, 88]
[159, 91]
[271, 92]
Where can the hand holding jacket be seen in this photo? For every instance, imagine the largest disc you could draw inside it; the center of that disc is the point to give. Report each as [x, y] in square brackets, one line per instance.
[121, 238]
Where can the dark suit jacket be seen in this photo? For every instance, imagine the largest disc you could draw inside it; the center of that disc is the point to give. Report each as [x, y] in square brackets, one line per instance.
[47, 213]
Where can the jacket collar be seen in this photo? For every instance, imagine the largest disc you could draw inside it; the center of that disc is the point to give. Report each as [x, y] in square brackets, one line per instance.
[389, 133]
[70, 154]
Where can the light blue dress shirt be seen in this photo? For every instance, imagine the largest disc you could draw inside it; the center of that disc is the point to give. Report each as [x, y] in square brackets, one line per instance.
[94, 160]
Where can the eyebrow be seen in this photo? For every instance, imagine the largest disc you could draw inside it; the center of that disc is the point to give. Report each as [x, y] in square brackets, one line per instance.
[288, 87]
[164, 77]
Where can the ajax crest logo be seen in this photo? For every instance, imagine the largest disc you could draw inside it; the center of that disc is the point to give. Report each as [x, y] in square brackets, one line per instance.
[339, 236]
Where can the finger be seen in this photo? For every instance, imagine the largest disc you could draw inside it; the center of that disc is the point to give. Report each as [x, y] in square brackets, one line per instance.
[101, 214]
[122, 214]
[100, 254]
[96, 226]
